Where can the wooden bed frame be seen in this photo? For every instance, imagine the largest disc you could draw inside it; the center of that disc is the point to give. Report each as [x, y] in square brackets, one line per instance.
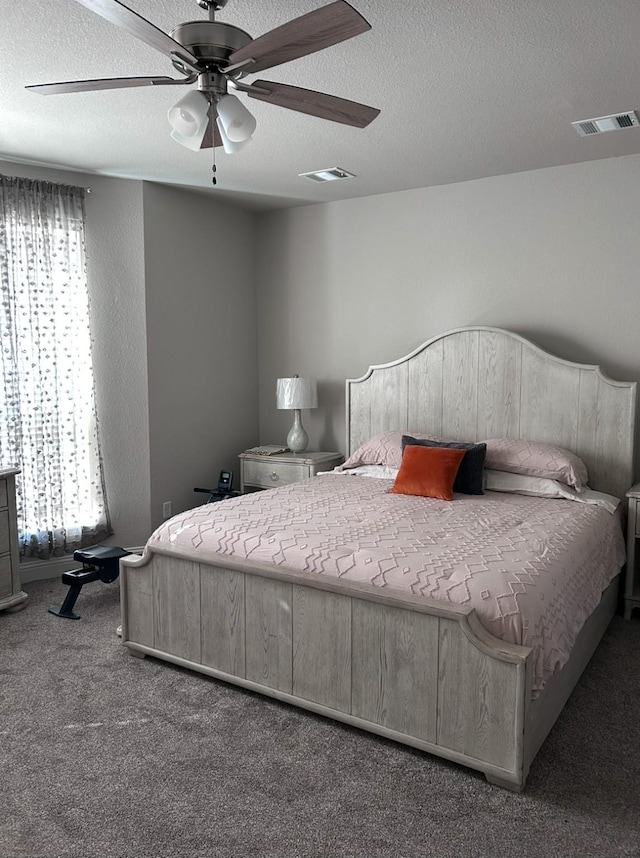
[419, 671]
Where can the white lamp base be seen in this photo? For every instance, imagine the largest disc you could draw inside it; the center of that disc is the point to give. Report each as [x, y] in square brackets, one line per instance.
[297, 439]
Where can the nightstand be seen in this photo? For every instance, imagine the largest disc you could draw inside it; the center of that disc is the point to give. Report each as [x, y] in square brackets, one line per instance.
[267, 472]
[632, 579]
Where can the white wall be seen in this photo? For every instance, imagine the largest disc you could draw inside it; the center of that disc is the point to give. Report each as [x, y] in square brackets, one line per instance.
[115, 270]
[551, 254]
[201, 340]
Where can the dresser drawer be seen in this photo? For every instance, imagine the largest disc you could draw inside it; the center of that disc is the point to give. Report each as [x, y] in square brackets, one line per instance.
[6, 579]
[269, 474]
[5, 537]
[11, 596]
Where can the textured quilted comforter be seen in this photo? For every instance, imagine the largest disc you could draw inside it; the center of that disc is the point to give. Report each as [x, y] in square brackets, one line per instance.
[533, 568]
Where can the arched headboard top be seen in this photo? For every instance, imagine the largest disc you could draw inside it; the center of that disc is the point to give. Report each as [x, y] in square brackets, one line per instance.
[480, 382]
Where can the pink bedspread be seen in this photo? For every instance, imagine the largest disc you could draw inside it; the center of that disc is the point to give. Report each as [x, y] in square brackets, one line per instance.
[533, 568]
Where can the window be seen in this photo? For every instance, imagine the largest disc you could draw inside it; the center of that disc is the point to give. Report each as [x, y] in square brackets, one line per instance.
[48, 422]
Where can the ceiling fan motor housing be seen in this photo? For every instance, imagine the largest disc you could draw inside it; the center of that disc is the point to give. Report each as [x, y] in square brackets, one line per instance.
[212, 42]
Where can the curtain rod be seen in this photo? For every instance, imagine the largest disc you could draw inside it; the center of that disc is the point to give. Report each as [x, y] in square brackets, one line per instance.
[48, 182]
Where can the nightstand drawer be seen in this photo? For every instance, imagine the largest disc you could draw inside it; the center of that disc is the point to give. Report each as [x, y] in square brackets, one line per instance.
[634, 516]
[269, 474]
[632, 576]
[3, 494]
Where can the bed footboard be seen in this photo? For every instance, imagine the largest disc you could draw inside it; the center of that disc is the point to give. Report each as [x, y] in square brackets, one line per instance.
[422, 673]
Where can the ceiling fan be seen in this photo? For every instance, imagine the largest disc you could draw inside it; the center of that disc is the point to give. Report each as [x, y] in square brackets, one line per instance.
[218, 56]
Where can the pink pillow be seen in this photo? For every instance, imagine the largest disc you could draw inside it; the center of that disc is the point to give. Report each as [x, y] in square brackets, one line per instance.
[536, 460]
[383, 449]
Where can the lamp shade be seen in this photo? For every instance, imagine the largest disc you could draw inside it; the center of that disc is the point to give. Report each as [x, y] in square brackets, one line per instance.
[236, 120]
[292, 393]
[228, 145]
[189, 116]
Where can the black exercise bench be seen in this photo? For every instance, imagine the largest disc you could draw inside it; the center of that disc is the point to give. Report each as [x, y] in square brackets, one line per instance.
[101, 563]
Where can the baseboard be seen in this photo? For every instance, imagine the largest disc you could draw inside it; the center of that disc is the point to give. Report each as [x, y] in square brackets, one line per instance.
[43, 570]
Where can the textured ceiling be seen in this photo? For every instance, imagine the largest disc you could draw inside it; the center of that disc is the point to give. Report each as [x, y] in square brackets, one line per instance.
[467, 89]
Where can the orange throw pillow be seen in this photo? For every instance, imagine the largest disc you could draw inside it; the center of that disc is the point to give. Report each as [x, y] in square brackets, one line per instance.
[428, 471]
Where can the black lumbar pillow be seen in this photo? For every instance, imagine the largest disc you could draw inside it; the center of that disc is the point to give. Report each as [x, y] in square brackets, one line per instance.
[469, 479]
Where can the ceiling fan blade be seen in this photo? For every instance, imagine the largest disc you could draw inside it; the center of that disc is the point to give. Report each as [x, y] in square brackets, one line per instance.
[103, 83]
[211, 135]
[304, 35]
[122, 16]
[314, 103]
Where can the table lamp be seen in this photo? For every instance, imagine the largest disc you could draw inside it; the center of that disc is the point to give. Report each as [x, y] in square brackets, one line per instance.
[294, 394]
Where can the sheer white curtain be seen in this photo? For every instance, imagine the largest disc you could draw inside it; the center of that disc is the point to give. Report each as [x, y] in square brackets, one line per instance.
[48, 422]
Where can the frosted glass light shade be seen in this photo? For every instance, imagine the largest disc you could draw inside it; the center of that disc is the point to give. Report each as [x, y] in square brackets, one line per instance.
[236, 120]
[229, 146]
[292, 393]
[192, 143]
[189, 116]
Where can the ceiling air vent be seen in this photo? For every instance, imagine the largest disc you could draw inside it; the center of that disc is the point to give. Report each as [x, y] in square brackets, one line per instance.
[615, 122]
[331, 174]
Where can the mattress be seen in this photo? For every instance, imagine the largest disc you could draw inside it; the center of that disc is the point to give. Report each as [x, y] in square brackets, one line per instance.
[533, 568]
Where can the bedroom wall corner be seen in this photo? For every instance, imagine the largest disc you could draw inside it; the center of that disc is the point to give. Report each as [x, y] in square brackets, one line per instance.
[120, 349]
[201, 337]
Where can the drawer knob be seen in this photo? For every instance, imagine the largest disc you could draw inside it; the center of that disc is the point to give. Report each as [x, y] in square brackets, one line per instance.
[274, 476]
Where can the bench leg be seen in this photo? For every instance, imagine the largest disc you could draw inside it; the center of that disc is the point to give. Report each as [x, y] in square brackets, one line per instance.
[66, 610]
[75, 579]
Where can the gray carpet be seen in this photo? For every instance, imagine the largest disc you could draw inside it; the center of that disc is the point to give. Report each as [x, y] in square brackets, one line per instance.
[107, 756]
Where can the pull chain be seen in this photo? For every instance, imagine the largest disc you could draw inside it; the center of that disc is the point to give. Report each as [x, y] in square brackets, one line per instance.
[214, 181]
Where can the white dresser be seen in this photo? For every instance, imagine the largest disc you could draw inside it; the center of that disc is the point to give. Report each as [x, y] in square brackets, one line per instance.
[11, 596]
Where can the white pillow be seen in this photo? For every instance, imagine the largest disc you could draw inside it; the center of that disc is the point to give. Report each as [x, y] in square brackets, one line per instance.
[380, 472]
[503, 481]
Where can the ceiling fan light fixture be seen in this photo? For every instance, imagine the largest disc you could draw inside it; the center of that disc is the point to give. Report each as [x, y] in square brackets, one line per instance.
[218, 55]
[229, 146]
[192, 143]
[189, 116]
[237, 122]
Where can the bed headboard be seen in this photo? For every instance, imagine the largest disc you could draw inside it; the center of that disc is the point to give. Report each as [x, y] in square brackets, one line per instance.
[481, 382]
